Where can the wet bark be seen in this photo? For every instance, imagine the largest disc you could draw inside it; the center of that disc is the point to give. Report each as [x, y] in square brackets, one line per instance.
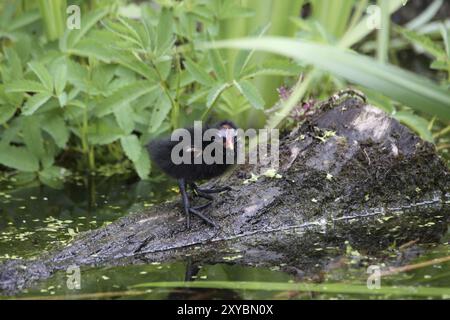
[347, 173]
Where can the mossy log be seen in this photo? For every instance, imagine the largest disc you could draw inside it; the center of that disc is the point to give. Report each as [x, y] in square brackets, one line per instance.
[348, 172]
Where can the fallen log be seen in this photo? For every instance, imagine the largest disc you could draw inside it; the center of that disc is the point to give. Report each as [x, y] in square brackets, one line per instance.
[349, 172]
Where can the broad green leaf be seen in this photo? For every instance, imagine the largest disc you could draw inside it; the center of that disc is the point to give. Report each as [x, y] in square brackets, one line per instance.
[132, 30]
[19, 158]
[131, 62]
[60, 78]
[15, 64]
[25, 86]
[73, 37]
[92, 48]
[416, 123]
[159, 112]
[198, 73]
[217, 64]
[31, 129]
[6, 112]
[10, 133]
[62, 99]
[124, 117]
[164, 66]
[132, 147]
[35, 102]
[56, 127]
[250, 92]
[198, 95]
[43, 74]
[164, 31]
[143, 165]
[77, 74]
[214, 93]
[123, 30]
[124, 96]
[398, 84]
[104, 131]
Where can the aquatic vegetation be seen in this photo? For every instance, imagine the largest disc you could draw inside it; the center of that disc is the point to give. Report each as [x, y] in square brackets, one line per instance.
[84, 100]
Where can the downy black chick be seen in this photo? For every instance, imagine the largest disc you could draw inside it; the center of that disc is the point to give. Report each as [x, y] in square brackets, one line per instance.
[223, 144]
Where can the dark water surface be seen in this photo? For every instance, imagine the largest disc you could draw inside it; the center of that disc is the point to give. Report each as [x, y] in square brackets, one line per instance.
[34, 219]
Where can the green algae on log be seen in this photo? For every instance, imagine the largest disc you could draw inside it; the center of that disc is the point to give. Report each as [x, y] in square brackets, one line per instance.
[348, 174]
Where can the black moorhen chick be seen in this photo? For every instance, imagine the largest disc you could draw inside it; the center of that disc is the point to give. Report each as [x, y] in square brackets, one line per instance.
[188, 173]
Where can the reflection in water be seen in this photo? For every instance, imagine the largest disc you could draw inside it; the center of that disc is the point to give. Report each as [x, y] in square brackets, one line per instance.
[35, 219]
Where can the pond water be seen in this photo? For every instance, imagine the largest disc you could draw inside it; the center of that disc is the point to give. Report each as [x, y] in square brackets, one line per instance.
[34, 219]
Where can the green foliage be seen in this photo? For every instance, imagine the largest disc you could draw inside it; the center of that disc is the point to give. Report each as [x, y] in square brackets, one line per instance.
[116, 82]
[97, 95]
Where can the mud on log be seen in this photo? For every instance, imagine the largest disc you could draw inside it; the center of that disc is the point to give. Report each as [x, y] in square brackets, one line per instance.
[348, 173]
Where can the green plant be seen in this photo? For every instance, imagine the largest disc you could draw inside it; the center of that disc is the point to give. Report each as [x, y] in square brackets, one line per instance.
[80, 100]
[105, 90]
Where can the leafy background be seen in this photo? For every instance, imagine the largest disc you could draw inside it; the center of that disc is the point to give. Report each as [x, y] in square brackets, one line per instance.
[89, 100]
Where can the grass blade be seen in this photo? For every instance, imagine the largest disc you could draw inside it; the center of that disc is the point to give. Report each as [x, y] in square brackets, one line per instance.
[400, 85]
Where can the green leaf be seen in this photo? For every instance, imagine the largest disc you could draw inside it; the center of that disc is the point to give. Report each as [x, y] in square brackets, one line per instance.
[244, 56]
[124, 96]
[124, 117]
[423, 41]
[132, 147]
[60, 77]
[380, 101]
[104, 131]
[217, 64]
[15, 64]
[19, 158]
[416, 123]
[398, 84]
[164, 31]
[24, 19]
[446, 38]
[6, 112]
[159, 112]
[92, 48]
[32, 136]
[56, 127]
[131, 62]
[250, 92]
[198, 73]
[439, 65]
[43, 74]
[214, 93]
[25, 86]
[143, 165]
[73, 37]
[35, 102]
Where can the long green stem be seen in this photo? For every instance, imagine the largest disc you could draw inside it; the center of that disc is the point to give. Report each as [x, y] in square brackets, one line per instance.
[53, 14]
[383, 32]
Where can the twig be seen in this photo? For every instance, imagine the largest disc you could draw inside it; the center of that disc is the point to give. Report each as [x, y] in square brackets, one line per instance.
[415, 266]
